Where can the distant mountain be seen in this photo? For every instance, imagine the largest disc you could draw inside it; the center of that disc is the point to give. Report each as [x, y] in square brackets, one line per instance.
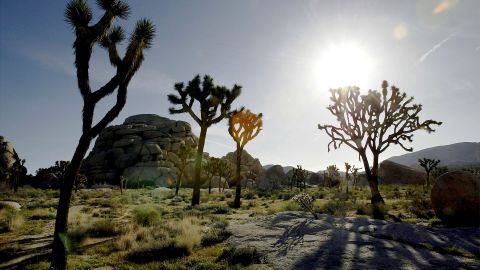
[286, 169]
[452, 155]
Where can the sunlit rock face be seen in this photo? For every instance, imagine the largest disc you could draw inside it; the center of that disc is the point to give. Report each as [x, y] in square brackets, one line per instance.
[8, 156]
[456, 198]
[143, 149]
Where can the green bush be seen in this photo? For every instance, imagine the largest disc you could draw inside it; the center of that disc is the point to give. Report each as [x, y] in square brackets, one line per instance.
[242, 255]
[146, 215]
[214, 236]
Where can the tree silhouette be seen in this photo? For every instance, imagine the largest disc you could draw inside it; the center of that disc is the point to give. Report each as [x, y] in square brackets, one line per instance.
[224, 171]
[428, 165]
[18, 171]
[348, 167]
[211, 98]
[332, 175]
[355, 175]
[373, 122]
[299, 176]
[184, 153]
[211, 170]
[79, 15]
[243, 126]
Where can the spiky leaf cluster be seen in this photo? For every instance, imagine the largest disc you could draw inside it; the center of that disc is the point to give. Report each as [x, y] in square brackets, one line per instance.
[211, 98]
[244, 126]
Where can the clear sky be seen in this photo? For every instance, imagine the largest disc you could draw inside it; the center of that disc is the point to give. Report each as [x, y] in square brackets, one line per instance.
[285, 54]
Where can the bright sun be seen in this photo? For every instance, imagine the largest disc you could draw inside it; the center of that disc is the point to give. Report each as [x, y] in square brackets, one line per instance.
[343, 65]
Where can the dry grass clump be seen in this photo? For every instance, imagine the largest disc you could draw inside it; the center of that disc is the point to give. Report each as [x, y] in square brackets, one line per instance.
[146, 215]
[10, 219]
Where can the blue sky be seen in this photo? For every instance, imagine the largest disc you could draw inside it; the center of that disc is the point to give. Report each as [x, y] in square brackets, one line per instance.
[279, 51]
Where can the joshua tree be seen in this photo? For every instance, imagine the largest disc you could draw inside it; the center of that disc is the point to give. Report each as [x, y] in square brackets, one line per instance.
[428, 165]
[243, 126]
[210, 98]
[348, 167]
[299, 176]
[81, 180]
[224, 171]
[355, 175]
[373, 122]
[331, 175]
[79, 15]
[211, 170]
[18, 171]
[184, 153]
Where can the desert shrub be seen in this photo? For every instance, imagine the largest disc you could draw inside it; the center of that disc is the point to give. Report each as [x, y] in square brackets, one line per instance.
[10, 219]
[221, 209]
[217, 233]
[146, 215]
[228, 194]
[157, 251]
[306, 203]
[125, 242]
[421, 208]
[40, 214]
[242, 255]
[104, 228]
[375, 211]
[249, 195]
[187, 233]
[335, 208]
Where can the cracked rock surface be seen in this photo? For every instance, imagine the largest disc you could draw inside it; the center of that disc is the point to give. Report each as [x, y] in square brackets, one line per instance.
[293, 240]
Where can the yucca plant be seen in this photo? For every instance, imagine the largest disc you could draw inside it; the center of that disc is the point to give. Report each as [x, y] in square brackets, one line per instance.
[243, 126]
[79, 15]
[215, 103]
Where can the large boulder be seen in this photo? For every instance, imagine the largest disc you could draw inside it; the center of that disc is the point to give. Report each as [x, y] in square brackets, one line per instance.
[8, 158]
[144, 149]
[248, 165]
[394, 173]
[456, 198]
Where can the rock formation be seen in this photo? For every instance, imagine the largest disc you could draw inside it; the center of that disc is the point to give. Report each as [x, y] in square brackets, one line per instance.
[456, 198]
[143, 149]
[249, 165]
[394, 173]
[8, 157]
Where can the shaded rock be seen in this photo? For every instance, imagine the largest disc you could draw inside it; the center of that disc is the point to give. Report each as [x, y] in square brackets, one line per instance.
[8, 157]
[143, 149]
[49, 181]
[394, 173]
[249, 165]
[14, 205]
[292, 240]
[456, 198]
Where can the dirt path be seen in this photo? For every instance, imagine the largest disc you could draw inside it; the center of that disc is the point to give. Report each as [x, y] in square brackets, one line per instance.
[292, 240]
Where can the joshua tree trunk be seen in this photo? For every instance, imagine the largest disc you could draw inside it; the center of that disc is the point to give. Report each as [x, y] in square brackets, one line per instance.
[238, 190]
[179, 181]
[372, 177]
[209, 185]
[61, 222]
[198, 166]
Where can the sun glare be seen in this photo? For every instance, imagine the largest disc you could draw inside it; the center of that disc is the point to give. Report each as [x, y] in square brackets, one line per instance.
[343, 65]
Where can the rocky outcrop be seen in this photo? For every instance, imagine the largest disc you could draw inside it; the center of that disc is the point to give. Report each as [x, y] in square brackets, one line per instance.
[273, 178]
[292, 240]
[394, 173]
[249, 165]
[8, 157]
[143, 148]
[456, 198]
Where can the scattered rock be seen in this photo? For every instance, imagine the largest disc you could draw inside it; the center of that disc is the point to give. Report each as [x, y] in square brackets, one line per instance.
[14, 205]
[456, 198]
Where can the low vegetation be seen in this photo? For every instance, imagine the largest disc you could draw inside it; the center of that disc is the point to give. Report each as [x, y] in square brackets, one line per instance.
[154, 229]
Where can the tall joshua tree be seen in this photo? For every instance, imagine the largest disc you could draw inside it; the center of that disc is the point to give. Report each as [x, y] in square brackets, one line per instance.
[429, 165]
[243, 126]
[354, 171]
[372, 123]
[224, 171]
[211, 99]
[299, 176]
[79, 15]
